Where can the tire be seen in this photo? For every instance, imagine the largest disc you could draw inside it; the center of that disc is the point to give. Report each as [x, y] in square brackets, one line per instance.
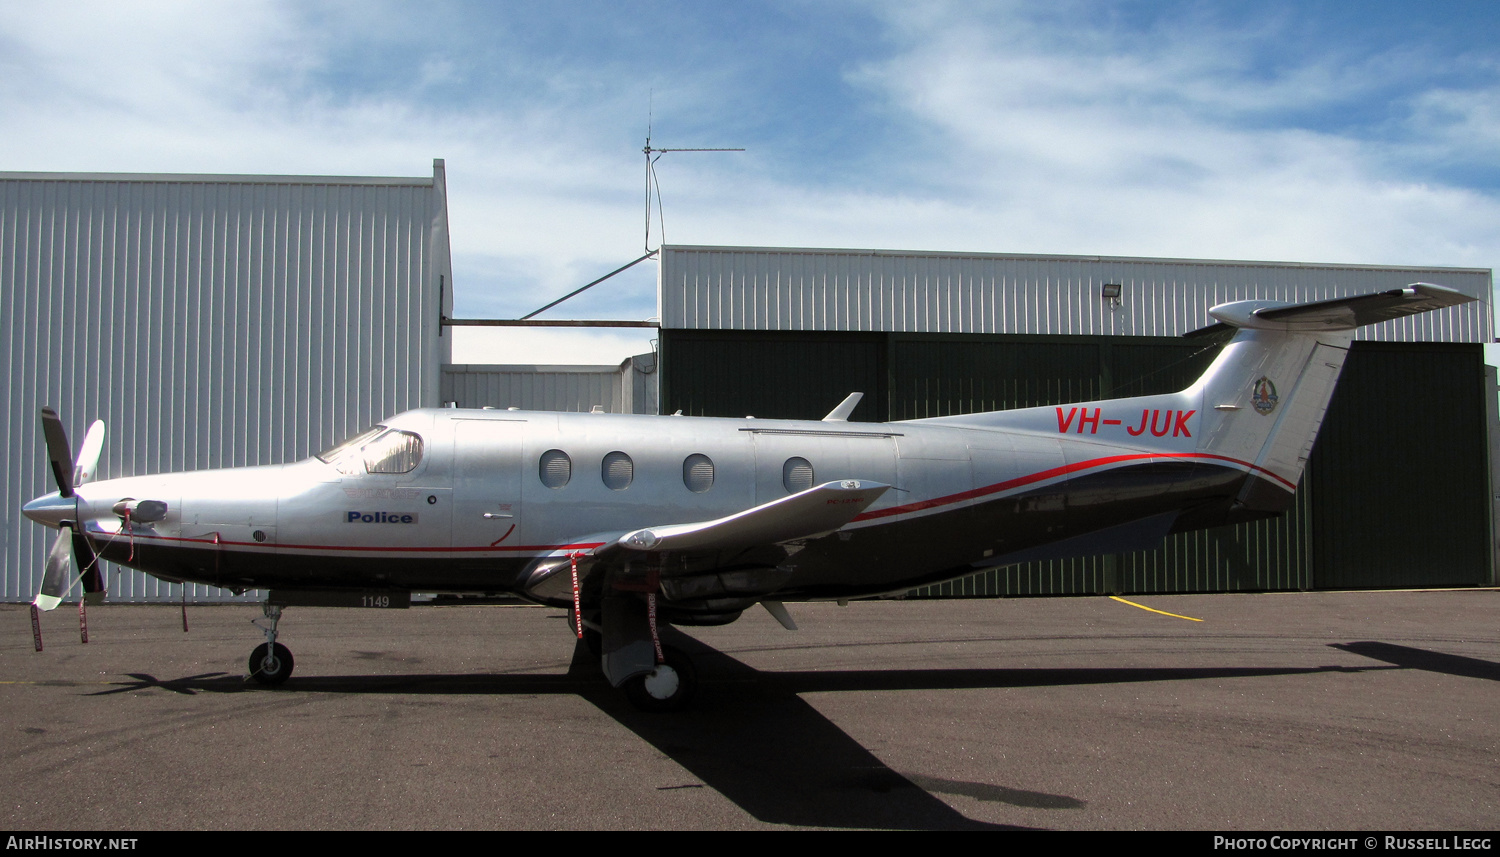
[671, 687]
[273, 673]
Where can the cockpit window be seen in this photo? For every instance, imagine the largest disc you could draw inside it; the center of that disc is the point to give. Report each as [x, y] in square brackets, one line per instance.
[393, 452]
[345, 456]
[376, 450]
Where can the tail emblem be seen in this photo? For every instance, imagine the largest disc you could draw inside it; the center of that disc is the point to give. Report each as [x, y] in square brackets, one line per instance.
[1263, 395]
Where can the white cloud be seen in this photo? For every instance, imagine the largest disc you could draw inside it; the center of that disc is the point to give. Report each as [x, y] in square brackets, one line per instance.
[144, 59]
[1077, 141]
[1451, 124]
[1014, 130]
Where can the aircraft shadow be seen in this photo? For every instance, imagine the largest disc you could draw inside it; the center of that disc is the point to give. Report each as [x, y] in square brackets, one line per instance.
[1423, 659]
[752, 738]
[780, 760]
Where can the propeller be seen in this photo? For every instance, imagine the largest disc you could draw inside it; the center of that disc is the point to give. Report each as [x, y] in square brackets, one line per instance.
[71, 543]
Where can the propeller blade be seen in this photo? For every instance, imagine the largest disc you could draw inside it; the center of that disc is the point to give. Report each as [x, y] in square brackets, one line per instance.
[88, 454]
[59, 454]
[72, 546]
[88, 560]
[59, 576]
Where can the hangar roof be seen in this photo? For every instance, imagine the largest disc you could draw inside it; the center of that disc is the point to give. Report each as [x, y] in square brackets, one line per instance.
[779, 288]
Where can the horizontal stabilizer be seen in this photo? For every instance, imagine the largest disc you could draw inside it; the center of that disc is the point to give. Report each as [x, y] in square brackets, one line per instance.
[1338, 313]
[814, 512]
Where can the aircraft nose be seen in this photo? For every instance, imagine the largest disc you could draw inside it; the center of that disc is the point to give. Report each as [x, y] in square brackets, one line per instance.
[52, 509]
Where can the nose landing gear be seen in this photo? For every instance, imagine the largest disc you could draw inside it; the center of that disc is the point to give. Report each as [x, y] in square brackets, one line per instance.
[271, 663]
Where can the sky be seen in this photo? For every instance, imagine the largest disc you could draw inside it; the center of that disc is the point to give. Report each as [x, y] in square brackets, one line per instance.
[1364, 132]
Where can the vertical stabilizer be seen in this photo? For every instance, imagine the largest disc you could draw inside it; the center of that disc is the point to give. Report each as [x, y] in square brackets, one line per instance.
[1265, 396]
[1263, 402]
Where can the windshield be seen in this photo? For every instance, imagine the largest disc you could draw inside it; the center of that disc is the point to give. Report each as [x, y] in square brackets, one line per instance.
[336, 454]
[393, 452]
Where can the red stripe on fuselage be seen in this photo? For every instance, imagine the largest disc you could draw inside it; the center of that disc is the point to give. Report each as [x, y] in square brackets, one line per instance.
[540, 549]
[1043, 475]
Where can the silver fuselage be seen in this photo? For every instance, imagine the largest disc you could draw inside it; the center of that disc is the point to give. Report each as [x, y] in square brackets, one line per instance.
[475, 514]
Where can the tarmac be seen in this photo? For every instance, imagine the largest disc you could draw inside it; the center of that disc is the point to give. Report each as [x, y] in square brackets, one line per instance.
[1297, 711]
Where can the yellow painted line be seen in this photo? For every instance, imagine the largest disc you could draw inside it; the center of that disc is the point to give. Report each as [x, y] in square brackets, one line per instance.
[1153, 609]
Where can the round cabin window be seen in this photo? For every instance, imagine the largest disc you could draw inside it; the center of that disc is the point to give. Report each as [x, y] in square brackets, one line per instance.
[555, 468]
[698, 473]
[797, 475]
[617, 471]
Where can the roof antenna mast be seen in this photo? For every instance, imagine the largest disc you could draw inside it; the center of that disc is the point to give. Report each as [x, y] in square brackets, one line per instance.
[652, 156]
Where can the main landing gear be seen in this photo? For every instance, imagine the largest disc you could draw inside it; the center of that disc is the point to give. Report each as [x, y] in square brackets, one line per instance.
[271, 663]
[655, 678]
[669, 687]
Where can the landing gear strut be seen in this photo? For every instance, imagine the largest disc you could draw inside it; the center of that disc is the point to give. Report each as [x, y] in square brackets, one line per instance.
[271, 662]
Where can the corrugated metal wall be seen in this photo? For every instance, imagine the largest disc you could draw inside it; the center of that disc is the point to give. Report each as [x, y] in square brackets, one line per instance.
[1401, 468]
[938, 377]
[629, 388]
[749, 288]
[772, 375]
[210, 321]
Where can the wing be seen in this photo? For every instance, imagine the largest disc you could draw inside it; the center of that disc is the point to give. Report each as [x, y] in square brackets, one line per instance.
[754, 538]
[808, 514]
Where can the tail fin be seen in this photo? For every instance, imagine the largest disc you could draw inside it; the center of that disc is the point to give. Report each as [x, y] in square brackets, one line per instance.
[1258, 408]
[1264, 397]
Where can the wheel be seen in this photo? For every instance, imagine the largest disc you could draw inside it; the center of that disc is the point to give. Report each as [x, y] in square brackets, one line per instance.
[273, 670]
[670, 687]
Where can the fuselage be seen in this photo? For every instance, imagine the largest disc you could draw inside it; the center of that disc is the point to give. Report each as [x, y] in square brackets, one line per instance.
[473, 500]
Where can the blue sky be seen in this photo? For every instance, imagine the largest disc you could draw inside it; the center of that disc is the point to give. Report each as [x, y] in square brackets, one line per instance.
[1324, 132]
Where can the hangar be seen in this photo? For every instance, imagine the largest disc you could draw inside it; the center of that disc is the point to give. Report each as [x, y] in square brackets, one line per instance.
[225, 321]
[210, 321]
[1397, 491]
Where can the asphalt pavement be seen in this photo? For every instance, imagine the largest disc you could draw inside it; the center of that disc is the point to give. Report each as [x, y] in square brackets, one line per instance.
[1298, 711]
